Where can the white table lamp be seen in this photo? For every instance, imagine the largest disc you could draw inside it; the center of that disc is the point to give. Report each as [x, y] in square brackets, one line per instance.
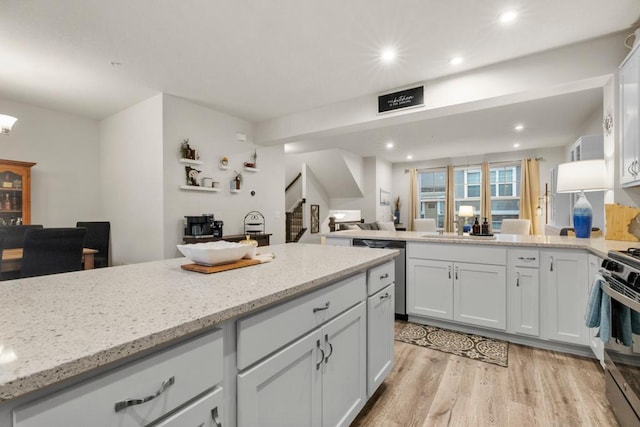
[578, 177]
[464, 212]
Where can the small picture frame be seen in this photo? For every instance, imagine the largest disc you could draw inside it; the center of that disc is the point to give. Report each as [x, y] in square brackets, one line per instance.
[385, 198]
[315, 218]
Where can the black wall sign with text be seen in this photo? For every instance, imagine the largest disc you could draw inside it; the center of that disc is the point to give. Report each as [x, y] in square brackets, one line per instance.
[403, 99]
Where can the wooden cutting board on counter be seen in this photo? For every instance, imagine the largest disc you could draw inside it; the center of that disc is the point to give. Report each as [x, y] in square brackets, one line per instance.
[218, 268]
[618, 219]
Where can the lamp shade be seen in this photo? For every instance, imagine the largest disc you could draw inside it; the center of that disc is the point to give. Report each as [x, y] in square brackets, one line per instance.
[465, 211]
[583, 175]
[6, 123]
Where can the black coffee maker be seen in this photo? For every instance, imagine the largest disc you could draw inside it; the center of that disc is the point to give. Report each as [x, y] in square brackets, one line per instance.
[199, 225]
[216, 229]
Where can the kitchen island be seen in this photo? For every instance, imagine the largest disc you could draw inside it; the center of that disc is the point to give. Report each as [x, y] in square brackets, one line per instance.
[525, 289]
[60, 332]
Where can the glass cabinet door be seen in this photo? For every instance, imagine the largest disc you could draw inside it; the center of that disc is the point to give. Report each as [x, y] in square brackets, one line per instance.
[15, 192]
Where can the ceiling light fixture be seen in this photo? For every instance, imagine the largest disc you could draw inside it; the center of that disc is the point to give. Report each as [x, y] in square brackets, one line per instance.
[456, 60]
[388, 55]
[518, 127]
[508, 16]
[409, 157]
[6, 123]
[516, 145]
[389, 145]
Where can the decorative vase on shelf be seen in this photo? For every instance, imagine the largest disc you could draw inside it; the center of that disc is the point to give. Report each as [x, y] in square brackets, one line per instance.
[396, 217]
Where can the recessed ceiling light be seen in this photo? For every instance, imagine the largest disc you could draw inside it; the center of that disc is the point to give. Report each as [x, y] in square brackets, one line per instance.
[389, 145]
[518, 127]
[508, 16]
[388, 55]
[456, 60]
[409, 157]
[516, 145]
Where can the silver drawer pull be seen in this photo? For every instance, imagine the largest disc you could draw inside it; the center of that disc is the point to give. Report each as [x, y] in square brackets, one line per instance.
[321, 357]
[385, 295]
[528, 258]
[132, 402]
[326, 306]
[384, 276]
[215, 417]
[326, 340]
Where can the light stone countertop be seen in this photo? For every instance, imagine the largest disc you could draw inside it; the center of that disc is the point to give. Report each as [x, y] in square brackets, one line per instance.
[596, 245]
[60, 326]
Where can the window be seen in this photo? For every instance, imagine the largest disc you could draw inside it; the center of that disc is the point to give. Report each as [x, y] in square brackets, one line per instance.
[505, 194]
[467, 183]
[431, 196]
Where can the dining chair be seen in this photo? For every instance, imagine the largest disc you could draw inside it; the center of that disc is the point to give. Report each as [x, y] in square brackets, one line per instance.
[15, 234]
[515, 226]
[97, 238]
[52, 250]
[424, 224]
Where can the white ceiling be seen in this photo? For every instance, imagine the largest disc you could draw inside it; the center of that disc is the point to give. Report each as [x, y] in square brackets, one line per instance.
[264, 59]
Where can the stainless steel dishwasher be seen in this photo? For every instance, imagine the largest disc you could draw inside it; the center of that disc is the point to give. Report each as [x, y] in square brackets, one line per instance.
[400, 270]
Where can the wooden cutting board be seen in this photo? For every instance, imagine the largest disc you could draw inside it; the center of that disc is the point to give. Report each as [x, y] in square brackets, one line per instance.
[218, 268]
[618, 219]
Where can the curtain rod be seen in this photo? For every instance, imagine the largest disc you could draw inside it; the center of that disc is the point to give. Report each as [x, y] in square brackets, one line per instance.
[472, 164]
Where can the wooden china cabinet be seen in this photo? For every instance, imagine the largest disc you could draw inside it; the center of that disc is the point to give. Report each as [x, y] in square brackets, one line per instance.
[15, 192]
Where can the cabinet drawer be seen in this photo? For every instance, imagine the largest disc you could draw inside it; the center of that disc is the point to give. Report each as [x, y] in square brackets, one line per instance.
[524, 258]
[380, 277]
[265, 332]
[195, 366]
[204, 412]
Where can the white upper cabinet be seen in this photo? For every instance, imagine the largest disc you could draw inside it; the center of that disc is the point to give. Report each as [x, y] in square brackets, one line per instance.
[629, 77]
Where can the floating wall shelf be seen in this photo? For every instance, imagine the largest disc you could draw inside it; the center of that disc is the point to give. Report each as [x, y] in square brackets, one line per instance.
[192, 162]
[196, 188]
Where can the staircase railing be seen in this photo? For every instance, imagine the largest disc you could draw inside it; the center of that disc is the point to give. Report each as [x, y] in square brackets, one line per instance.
[295, 222]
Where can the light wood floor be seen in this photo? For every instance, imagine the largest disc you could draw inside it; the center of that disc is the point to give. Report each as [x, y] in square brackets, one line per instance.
[539, 388]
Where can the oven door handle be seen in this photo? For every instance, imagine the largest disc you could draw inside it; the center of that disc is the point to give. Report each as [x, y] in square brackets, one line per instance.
[622, 299]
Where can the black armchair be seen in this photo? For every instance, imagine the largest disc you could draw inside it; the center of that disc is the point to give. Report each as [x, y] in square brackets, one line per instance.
[97, 238]
[52, 250]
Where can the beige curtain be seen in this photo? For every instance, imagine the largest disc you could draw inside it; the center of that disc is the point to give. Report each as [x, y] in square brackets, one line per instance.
[485, 194]
[530, 192]
[449, 210]
[413, 198]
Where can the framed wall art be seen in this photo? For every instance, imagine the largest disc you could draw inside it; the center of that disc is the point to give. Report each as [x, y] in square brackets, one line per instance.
[315, 218]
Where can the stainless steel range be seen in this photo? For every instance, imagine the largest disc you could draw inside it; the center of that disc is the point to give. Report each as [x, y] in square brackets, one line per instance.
[621, 271]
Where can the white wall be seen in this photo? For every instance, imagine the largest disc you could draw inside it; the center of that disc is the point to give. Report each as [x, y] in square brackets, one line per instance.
[213, 134]
[65, 186]
[384, 180]
[314, 195]
[132, 181]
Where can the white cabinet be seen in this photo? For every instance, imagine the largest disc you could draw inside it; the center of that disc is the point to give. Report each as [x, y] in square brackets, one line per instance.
[430, 288]
[319, 380]
[524, 292]
[629, 79]
[597, 346]
[380, 333]
[204, 412]
[565, 273]
[441, 284]
[135, 394]
[337, 241]
[479, 294]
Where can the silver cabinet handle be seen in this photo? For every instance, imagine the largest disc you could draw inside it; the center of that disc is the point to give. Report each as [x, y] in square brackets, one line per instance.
[456, 273]
[384, 276]
[518, 279]
[629, 168]
[326, 306]
[385, 295]
[326, 340]
[449, 272]
[318, 364]
[132, 402]
[216, 417]
[551, 264]
[527, 258]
